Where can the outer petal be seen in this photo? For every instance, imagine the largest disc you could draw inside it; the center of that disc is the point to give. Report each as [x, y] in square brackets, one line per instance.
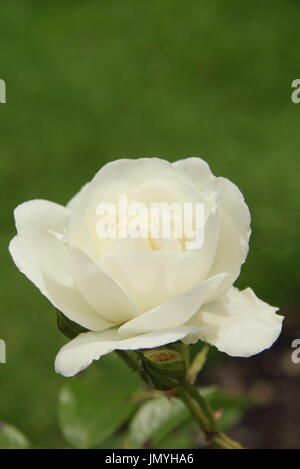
[38, 251]
[197, 171]
[239, 324]
[235, 232]
[134, 170]
[49, 215]
[75, 201]
[207, 252]
[234, 218]
[80, 352]
[71, 302]
[99, 289]
[174, 313]
[26, 259]
[41, 223]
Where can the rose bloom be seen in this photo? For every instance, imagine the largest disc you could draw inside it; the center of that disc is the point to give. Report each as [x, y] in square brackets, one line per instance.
[137, 293]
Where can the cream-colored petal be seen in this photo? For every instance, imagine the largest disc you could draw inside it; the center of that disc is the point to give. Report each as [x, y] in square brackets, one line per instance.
[38, 251]
[144, 180]
[234, 219]
[154, 277]
[206, 253]
[197, 171]
[26, 259]
[174, 313]
[71, 302]
[234, 235]
[239, 323]
[41, 224]
[76, 200]
[134, 170]
[81, 351]
[99, 289]
[35, 217]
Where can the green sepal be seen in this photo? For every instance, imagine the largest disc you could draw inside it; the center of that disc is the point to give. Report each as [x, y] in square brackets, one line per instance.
[164, 367]
[69, 328]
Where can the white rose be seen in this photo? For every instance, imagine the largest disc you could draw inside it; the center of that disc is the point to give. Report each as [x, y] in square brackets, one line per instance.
[144, 293]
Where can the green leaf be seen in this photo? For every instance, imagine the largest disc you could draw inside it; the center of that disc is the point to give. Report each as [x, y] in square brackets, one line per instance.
[155, 419]
[11, 437]
[113, 442]
[95, 404]
[232, 407]
[185, 436]
[166, 423]
[69, 328]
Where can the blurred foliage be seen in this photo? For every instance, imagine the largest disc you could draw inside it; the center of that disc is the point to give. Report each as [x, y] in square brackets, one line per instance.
[155, 419]
[11, 437]
[88, 82]
[93, 406]
[165, 421]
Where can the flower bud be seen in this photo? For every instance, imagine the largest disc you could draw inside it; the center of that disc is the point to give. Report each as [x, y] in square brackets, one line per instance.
[164, 367]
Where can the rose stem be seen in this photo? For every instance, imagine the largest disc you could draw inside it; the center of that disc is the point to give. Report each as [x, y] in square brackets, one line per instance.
[202, 413]
[197, 406]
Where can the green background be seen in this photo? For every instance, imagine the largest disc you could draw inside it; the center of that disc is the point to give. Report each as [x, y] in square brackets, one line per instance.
[88, 82]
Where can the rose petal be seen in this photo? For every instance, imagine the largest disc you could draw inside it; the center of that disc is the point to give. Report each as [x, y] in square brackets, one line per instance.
[38, 252]
[197, 171]
[81, 351]
[134, 170]
[75, 201]
[154, 277]
[99, 289]
[239, 324]
[143, 180]
[72, 303]
[234, 235]
[174, 313]
[41, 223]
[234, 219]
